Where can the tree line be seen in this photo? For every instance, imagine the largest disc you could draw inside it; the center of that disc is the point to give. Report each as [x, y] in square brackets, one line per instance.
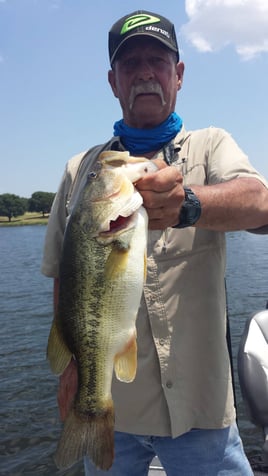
[12, 205]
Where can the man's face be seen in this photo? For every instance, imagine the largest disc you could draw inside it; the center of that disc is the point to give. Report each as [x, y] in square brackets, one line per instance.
[145, 79]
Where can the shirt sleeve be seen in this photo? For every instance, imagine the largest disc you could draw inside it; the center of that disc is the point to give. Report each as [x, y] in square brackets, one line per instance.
[227, 161]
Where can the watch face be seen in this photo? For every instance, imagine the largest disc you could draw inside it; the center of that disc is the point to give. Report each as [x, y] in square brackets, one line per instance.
[190, 210]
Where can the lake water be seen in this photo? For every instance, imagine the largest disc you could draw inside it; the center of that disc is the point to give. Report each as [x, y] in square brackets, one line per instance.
[29, 424]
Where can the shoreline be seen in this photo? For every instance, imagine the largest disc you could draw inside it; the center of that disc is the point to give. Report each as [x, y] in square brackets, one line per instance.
[25, 220]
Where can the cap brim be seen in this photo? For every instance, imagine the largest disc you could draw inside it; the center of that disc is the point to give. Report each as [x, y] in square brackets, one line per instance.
[161, 40]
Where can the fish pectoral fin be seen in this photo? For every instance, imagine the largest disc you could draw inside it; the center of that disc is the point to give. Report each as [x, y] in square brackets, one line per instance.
[58, 353]
[116, 263]
[125, 362]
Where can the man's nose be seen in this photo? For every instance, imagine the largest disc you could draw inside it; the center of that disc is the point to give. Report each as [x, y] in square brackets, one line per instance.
[145, 72]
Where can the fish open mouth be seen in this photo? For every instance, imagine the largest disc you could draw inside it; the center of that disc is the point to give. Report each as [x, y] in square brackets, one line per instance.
[121, 223]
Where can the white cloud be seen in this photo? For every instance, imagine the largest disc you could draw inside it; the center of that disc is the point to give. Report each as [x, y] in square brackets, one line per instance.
[214, 24]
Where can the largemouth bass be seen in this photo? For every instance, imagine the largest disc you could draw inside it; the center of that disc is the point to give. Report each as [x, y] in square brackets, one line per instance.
[101, 278]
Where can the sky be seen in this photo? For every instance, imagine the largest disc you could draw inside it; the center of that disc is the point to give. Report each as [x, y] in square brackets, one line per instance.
[55, 100]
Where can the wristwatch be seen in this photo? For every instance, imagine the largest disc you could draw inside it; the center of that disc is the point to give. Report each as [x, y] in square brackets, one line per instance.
[190, 211]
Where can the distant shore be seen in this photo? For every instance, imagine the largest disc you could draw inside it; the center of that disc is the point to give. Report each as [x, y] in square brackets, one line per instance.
[26, 219]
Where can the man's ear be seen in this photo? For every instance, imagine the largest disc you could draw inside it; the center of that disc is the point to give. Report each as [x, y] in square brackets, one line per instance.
[112, 81]
[180, 72]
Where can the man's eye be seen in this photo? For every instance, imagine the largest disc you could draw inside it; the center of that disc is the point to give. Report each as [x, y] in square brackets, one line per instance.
[130, 63]
[157, 60]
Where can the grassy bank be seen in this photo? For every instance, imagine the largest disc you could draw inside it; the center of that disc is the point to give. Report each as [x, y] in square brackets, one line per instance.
[26, 219]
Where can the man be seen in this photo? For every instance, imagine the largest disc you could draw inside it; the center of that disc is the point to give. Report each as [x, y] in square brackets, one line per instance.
[180, 405]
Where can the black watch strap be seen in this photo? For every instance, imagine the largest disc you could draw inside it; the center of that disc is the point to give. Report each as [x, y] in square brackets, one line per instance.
[190, 211]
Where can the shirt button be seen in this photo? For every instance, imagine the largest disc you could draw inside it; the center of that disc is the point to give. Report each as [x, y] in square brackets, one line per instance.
[162, 341]
[169, 384]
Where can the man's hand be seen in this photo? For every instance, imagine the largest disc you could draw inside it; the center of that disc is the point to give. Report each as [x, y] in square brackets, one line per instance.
[67, 389]
[163, 195]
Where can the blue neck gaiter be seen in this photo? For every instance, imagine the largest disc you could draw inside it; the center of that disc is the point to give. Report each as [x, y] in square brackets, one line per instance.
[140, 141]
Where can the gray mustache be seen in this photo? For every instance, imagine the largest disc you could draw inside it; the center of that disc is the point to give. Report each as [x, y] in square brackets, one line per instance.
[146, 88]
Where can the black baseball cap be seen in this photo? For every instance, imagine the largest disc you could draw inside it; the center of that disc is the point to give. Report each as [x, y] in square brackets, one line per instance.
[142, 23]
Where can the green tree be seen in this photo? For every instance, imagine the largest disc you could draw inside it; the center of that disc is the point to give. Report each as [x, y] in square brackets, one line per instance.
[41, 202]
[12, 205]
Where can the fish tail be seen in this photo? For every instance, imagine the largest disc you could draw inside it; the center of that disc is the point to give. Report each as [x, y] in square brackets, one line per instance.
[91, 436]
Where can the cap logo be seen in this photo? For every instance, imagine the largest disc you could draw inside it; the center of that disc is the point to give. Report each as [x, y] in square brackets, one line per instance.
[138, 20]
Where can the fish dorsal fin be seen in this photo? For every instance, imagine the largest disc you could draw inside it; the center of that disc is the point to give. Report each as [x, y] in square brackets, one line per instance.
[125, 362]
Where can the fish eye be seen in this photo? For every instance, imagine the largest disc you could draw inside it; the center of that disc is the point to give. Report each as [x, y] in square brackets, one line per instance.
[92, 175]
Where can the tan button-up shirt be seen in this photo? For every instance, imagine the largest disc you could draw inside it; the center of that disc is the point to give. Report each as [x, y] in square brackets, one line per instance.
[183, 379]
